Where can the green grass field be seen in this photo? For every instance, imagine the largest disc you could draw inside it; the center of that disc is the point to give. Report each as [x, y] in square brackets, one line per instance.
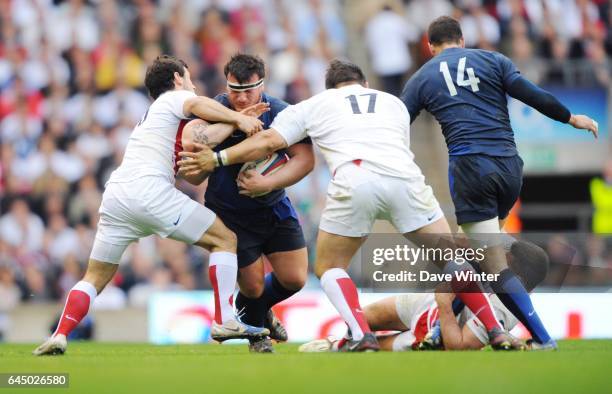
[580, 367]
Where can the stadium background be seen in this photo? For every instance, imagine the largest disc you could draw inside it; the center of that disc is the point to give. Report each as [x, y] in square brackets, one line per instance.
[71, 90]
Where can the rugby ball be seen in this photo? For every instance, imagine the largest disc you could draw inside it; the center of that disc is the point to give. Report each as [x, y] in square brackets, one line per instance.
[266, 166]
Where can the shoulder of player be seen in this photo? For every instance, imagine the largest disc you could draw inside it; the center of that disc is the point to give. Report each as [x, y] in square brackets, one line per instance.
[276, 104]
[222, 98]
[485, 54]
[174, 93]
[171, 98]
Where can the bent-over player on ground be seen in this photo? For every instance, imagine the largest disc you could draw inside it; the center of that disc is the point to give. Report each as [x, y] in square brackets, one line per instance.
[415, 316]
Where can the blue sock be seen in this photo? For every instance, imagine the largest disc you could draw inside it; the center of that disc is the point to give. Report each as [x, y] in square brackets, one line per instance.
[274, 291]
[458, 306]
[252, 311]
[512, 293]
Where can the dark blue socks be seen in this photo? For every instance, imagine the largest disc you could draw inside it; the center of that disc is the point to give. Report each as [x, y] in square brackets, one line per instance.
[253, 310]
[512, 293]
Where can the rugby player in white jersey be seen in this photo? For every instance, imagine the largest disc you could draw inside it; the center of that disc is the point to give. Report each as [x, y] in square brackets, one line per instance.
[364, 135]
[140, 199]
[414, 317]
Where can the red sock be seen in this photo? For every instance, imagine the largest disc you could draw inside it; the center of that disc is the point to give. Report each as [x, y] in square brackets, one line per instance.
[342, 293]
[471, 293]
[480, 306]
[352, 299]
[79, 299]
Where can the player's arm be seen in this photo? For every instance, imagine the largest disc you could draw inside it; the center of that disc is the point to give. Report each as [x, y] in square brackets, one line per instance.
[454, 336]
[302, 162]
[205, 160]
[200, 132]
[411, 98]
[524, 90]
[288, 128]
[213, 111]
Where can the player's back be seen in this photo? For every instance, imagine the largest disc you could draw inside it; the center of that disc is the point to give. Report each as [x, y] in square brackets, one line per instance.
[465, 90]
[155, 141]
[357, 123]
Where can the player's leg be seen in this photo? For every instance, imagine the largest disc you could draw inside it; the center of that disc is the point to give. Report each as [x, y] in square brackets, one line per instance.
[500, 187]
[290, 271]
[286, 251]
[113, 236]
[393, 313]
[508, 287]
[249, 303]
[351, 207]
[415, 212]
[102, 266]
[437, 235]
[334, 254]
[284, 246]
[259, 292]
[222, 267]
[199, 226]
[386, 314]
[251, 284]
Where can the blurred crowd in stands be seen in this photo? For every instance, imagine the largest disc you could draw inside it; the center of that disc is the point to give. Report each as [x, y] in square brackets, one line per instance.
[71, 75]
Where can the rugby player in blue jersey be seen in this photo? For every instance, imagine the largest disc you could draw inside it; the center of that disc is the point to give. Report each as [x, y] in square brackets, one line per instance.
[465, 90]
[266, 225]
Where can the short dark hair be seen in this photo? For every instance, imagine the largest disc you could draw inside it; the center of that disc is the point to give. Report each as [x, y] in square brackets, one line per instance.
[444, 30]
[242, 66]
[529, 262]
[160, 75]
[340, 71]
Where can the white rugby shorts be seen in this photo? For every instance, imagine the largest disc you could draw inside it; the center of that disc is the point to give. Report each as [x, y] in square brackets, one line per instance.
[356, 197]
[145, 206]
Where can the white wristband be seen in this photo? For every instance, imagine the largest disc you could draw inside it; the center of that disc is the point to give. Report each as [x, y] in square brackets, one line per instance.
[223, 156]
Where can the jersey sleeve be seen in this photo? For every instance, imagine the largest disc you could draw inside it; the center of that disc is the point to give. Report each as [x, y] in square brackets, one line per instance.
[222, 98]
[411, 97]
[291, 124]
[176, 100]
[509, 71]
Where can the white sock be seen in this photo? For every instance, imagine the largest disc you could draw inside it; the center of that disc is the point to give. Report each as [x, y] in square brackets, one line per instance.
[345, 300]
[403, 341]
[223, 271]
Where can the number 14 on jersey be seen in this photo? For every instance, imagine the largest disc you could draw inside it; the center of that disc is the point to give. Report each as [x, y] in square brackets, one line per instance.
[471, 80]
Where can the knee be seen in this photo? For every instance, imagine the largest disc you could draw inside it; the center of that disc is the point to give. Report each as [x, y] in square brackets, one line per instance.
[252, 288]
[295, 281]
[226, 241]
[320, 268]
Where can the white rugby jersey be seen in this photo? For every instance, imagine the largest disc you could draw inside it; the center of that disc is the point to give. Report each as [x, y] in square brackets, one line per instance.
[354, 123]
[155, 141]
